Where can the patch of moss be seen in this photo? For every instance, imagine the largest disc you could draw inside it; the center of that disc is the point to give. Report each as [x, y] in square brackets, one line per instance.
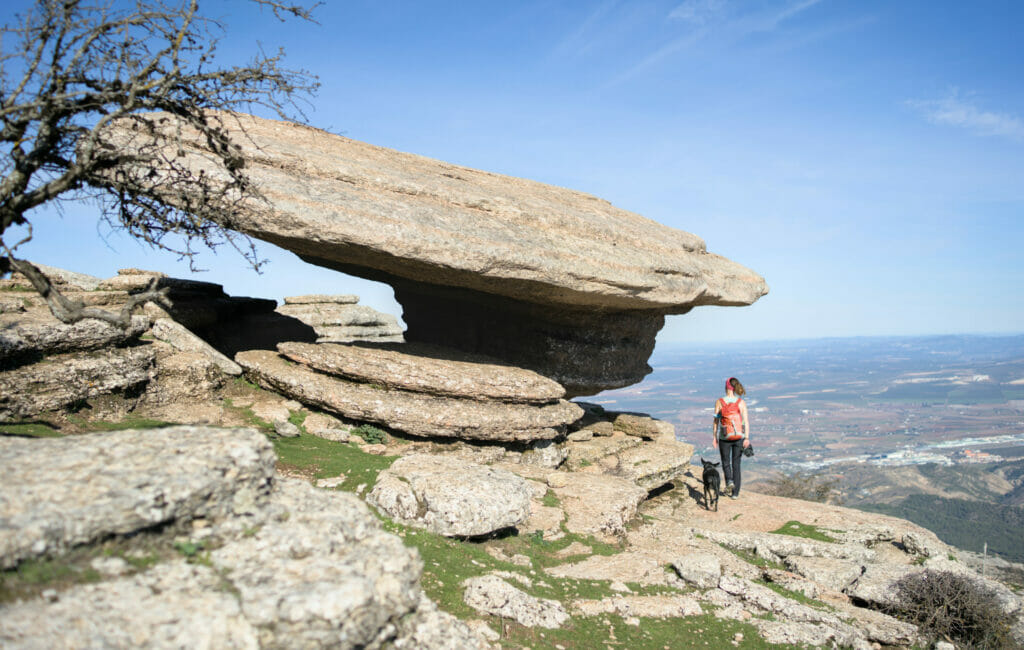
[30, 430]
[794, 595]
[550, 499]
[798, 529]
[324, 459]
[752, 558]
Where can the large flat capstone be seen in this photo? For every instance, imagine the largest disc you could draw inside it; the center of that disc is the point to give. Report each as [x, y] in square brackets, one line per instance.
[544, 277]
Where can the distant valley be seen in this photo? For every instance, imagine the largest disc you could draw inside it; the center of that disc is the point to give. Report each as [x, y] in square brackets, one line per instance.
[929, 428]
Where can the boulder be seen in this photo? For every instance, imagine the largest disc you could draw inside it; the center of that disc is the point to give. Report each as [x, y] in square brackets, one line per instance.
[64, 379]
[588, 452]
[427, 369]
[307, 569]
[333, 313]
[628, 566]
[832, 574]
[598, 505]
[643, 426]
[451, 497]
[414, 413]
[184, 378]
[700, 569]
[653, 464]
[545, 278]
[31, 335]
[492, 595]
[60, 492]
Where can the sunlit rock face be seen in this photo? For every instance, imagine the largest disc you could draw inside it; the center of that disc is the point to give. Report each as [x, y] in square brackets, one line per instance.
[543, 277]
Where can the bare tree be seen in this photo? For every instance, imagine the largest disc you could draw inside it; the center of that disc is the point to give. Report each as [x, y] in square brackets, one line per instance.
[70, 69]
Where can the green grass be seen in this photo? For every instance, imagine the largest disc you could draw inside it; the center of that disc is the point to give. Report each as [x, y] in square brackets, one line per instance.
[322, 458]
[798, 529]
[752, 558]
[798, 596]
[30, 430]
[550, 499]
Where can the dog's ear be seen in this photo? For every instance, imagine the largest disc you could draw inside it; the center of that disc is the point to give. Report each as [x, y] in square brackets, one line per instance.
[716, 464]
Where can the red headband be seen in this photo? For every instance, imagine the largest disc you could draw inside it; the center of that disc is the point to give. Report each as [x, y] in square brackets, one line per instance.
[728, 384]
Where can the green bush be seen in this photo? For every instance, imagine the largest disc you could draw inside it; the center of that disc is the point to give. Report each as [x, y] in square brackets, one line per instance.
[947, 605]
[371, 434]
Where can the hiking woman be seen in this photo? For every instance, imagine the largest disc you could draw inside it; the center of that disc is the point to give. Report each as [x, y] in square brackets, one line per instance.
[731, 433]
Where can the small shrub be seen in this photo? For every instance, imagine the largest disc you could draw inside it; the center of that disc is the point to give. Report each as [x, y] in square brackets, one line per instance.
[371, 434]
[953, 606]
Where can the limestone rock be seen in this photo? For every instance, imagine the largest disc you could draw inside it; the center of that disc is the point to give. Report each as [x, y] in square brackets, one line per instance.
[65, 379]
[598, 505]
[184, 378]
[654, 463]
[432, 628]
[643, 426]
[640, 606]
[544, 453]
[875, 585]
[182, 339]
[832, 574]
[69, 279]
[414, 413]
[588, 452]
[65, 491]
[546, 278]
[492, 595]
[628, 566]
[334, 313]
[177, 605]
[451, 497]
[313, 299]
[700, 569]
[427, 369]
[773, 546]
[31, 335]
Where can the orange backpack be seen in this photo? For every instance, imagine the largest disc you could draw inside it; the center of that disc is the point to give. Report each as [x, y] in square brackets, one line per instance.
[730, 420]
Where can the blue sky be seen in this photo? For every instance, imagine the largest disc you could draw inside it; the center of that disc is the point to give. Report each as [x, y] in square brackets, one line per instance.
[867, 158]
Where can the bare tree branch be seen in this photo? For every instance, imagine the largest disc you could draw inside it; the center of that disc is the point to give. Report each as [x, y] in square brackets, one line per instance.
[70, 68]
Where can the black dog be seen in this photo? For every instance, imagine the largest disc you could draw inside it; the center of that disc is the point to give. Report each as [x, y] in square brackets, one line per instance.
[712, 483]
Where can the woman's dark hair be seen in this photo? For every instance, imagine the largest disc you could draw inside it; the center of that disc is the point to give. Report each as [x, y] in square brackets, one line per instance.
[737, 387]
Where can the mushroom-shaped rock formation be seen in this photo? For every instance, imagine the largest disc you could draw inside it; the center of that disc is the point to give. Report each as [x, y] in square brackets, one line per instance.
[545, 278]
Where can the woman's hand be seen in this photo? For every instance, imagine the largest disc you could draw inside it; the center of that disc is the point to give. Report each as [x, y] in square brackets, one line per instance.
[714, 443]
[746, 443]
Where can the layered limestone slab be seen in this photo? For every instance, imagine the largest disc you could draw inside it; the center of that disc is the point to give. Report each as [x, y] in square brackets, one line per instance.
[530, 273]
[427, 369]
[653, 463]
[37, 333]
[60, 492]
[65, 379]
[414, 413]
[588, 452]
[450, 496]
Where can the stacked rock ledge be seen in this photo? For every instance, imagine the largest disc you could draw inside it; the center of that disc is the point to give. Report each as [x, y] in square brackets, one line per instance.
[413, 409]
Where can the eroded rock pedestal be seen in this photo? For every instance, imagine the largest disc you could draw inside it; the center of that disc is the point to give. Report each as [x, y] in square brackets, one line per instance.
[542, 277]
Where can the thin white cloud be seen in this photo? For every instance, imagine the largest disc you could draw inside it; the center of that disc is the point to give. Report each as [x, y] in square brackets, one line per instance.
[698, 12]
[581, 39]
[958, 112]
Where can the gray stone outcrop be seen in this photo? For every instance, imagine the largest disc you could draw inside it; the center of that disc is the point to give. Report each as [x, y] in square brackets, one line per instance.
[450, 496]
[61, 492]
[36, 333]
[491, 595]
[337, 319]
[543, 277]
[598, 505]
[653, 464]
[290, 565]
[427, 369]
[414, 413]
[65, 379]
[700, 569]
